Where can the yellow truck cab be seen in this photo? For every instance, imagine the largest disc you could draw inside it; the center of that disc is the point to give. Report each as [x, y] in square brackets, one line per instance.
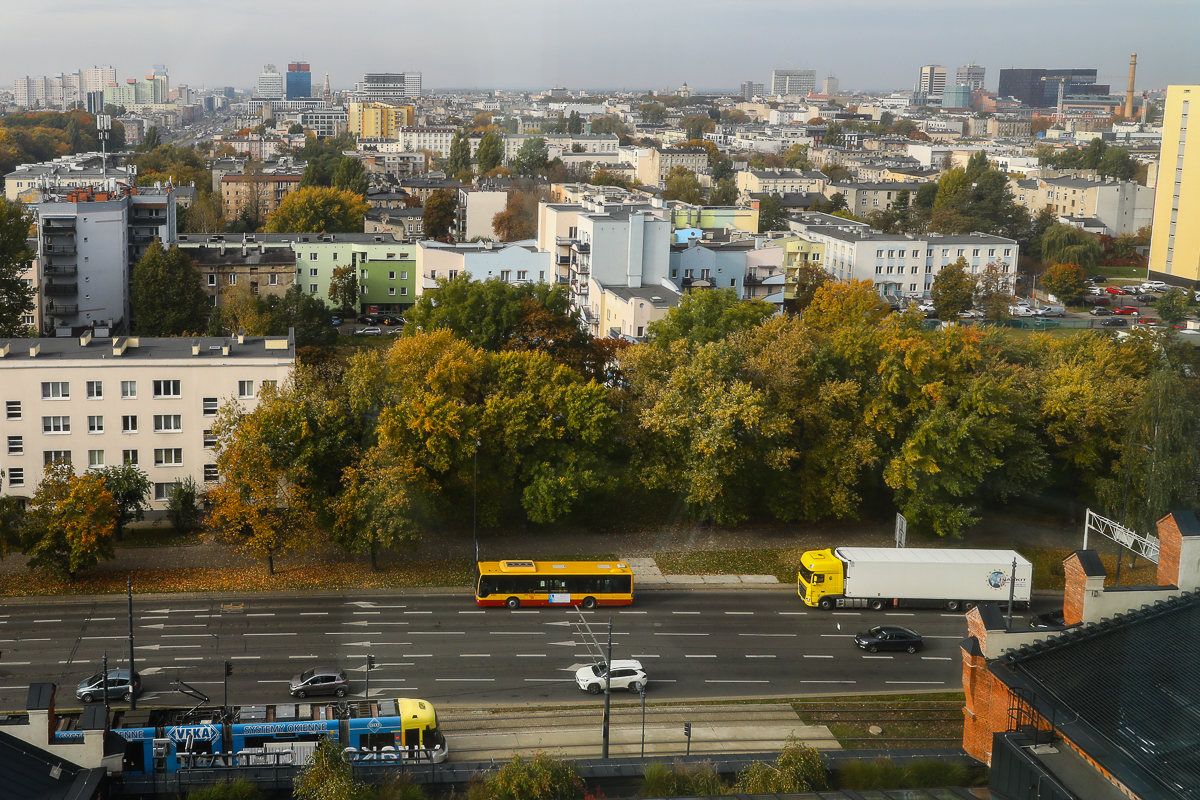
[821, 573]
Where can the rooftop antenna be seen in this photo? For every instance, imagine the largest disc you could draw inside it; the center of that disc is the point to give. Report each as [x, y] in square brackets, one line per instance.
[103, 126]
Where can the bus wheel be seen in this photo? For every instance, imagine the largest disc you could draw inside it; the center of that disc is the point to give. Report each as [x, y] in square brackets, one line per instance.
[589, 602]
[877, 605]
[826, 603]
[952, 605]
[513, 602]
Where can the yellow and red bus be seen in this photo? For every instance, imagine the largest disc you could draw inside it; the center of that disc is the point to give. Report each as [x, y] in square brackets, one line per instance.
[551, 583]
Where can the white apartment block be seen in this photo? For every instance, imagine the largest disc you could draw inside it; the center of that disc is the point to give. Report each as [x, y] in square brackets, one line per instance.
[150, 402]
[511, 262]
[386, 87]
[793, 82]
[270, 83]
[436, 140]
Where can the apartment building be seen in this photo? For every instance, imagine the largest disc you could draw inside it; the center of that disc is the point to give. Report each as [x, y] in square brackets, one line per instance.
[863, 198]
[511, 262]
[379, 120]
[971, 76]
[93, 402]
[1122, 207]
[658, 163]
[267, 269]
[712, 218]
[388, 87]
[260, 191]
[801, 82]
[798, 253]
[931, 81]
[28, 181]
[1175, 247]
[476, 210]
[778, 181]
[405, 223]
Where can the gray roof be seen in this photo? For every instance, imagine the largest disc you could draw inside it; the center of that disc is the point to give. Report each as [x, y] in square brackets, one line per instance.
[660, 296]
[143, 348]
[289, 238]
[861, 234]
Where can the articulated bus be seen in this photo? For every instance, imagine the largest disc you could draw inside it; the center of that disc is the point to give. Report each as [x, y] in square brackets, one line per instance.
[543, 583]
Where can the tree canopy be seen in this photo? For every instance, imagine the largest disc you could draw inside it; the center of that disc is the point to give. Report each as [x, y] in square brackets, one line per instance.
[438, 219]
[318, 209]
[16, 296]
[166, 298]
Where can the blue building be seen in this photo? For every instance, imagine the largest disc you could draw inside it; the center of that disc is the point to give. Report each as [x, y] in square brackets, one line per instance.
[299, 81]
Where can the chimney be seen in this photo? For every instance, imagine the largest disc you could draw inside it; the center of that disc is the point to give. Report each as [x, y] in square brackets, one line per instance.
[1129, 94]
[1179, 550]
[33, 351]
[1084, 573]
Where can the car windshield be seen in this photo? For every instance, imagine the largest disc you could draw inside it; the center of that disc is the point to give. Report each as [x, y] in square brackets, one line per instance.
[97, 678]
[598, 669]
[308, 673]
[877, 631]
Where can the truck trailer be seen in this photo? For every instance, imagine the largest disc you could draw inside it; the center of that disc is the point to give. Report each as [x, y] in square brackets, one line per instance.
[922, 577]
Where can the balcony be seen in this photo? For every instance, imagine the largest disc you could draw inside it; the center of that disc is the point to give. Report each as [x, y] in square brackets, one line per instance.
[60, 249]
[60, 269]
[57, 225]
[60, 289]
[142, 238]
[563, 261]
[751, 280]
[62, 309]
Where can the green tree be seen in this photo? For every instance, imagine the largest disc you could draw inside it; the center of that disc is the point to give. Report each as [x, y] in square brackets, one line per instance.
[653, 113]
[490, 153]
[1172, 307]
[683, 185]
[833, 136]
[130, 489]
[953, 289]
[327, 775]
[771, 216]
[183, 506]
[796, 157]
[304, 313]
[1066, 244]
[16, 296]
[977, 164]
[799, 768]
[166, 297]
[724, 193]
[350, 176]
[459, 159]
[533, 157]
[722, 168]
[295, 128]
[151, 139]
[70, 523]
[1118, 164]
[343, 288]
[1065, 282]
[708, 316]
[438, 219]
[926, 196]
[574, 124]
[319, 210]
[993, 293]
[539, 778]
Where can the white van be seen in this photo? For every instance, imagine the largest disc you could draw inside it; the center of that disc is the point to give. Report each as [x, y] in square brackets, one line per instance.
[1052, 311]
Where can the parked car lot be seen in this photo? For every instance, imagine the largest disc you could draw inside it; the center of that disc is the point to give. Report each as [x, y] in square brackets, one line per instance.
[889, 637]
[626, 674]
[1126, 311]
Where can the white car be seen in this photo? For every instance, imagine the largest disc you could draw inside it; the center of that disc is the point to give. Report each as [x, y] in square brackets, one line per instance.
[1021, 311]
[626, 674]
[971, 313]
[369, 332]
[926, 307]
[1155, 286]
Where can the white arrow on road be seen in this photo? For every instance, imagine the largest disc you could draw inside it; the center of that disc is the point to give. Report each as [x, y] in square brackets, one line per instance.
[168, 647]
[557, 623]
[152, 671]
[161, 625]
[568, 644]
[368, 604]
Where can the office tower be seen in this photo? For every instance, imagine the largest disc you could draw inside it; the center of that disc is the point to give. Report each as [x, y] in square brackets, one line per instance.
[1038, 88]
[299, 81]
[932, 82]
[1175, 245]
[270, 83]
[750, 89]
[386, 87]
[957, 97]
[971, 76]
[96, 78]
[829, 86]
[793, 81]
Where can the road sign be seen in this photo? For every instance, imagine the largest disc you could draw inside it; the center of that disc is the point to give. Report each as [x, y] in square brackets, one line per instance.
[901, 531]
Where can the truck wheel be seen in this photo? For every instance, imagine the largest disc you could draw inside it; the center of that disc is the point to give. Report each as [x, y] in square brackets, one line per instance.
[513, 602]
[967, 606]
[953, 605]
[877, 605]
[826, 603]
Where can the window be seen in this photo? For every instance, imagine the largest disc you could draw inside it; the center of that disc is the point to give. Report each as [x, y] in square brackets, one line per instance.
[56, 390]
[210, 473]
[333, 256]
[961, 251]
[272, 384]
[16, 446]
[210, 440]
[95, 458]
[403, 291]
[272, 279]
[12, 409]
[129, 458]
[129, 423]
[991, 252]
[166, 389]
[392, 291]
[245, 388]
[209, 408]
[976, 253]
[162, 491]
[879, 254]
[128, 390]
[916, 253]
[167, 422]
[1008, 251]
[95, 389]
[364, 274]
[391, 276]
[522, 275]
[56, 424]
[212, 279]
[404, 274]
[312, 273]
[55, 457]
[232, 279]
[96, 424]
[891, 253]
[16, 476]
[312, 256]
[312, 288]
[168, 456]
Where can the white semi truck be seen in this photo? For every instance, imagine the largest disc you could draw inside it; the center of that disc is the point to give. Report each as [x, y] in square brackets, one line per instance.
[920, 577]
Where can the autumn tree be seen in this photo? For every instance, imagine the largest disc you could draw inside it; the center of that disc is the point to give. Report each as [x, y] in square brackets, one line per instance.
[71, 522]
[1065, 282]
[519, 219]
[653, 113]
[319, 210]
[459, 159]
[490, 153]
[343, 288]
[953, 289]
[993, 292]
[796, 157]
[438, 219]
[708, 316]
[206, 215]
[809, 277]
[683, 185]
[130, 489]
[1066, 244]
[166, 297]
[327, 775]
[724, 193]
[16, 296]
[1172, 307]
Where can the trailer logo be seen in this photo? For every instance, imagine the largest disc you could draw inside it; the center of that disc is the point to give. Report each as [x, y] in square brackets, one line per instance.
[997, 579]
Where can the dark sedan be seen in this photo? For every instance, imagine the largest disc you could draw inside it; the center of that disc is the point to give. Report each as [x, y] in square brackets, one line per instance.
[889, 637]
[1115, 322]
[1147, 298]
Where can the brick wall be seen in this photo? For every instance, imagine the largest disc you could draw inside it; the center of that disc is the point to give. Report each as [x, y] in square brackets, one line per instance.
[1170, 547]
[1076, 583]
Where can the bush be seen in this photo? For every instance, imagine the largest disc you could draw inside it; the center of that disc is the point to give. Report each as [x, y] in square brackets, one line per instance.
[682, 780]
[865, 775]
[934, 774]
[240, 789]
[882, 773]
[541, 778]
[799, 768]
[401, 787]
[182, 508]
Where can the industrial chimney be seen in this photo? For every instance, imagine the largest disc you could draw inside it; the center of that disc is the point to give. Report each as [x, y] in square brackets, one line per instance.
[1129, 94]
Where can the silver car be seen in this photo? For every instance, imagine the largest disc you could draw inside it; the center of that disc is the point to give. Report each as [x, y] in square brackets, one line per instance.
[119, 686]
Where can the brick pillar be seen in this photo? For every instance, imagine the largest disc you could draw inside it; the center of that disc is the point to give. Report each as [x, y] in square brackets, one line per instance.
[1084, 574]
[1170, 543]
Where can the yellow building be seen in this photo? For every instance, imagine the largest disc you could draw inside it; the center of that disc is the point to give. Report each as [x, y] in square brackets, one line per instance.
[797, 253]
[1175, 246]
[740, 218]
[379, 120]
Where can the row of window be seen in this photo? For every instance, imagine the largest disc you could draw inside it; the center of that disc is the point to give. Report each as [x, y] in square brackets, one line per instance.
[314, 256]
[163, 423]
[928, 269]
[166, 457]
[61, 390]
[272, 279]
[945, 252]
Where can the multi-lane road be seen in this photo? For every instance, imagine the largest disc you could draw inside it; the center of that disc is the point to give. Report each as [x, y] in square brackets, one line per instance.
[694, 644]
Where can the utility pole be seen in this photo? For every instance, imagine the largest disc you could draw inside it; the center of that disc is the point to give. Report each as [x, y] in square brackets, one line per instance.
[367, 673]
[132, 688]
[104, 686]
[225, 707]
[475, 501]
[607, 691]
[642, 692]
[1012, 590]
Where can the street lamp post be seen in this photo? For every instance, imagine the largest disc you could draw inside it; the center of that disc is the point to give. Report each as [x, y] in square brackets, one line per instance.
[475, 500]
[642, 692]
[607, 691]
[132, 688]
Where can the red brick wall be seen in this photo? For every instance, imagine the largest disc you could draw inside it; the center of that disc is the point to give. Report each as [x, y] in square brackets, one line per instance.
[986, 709]
[1170, 545]
[1076, 582]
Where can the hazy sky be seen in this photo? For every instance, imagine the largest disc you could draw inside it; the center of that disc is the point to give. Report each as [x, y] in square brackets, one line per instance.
[867, 44]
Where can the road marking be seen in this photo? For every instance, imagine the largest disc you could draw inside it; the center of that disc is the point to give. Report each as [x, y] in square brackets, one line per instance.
[681, 634]
[437, 633]
[99, 619]
[26, 686]
[898, 614]
[847, 613]
[648, 656]
[202, 616]
[163, 626]
[808, 656]
[686, 613]
[936, 658]
[959, 615]
[517, 633]
[466, 680]
[549, 680]
[792, 613]
[474, 655]
[143, 619]
[740, 613]
[530, 655]
[416, 612]
[838, 635]
[314, 613]
[81, 637]
[268, 634]
[923, 683]
[879, 657]
[417, 655]
[737, 681]
[632, 612]
[244, 658]
[209, 635]
[265, 614]
[472, 612]
[766, 634]
[353, 633]
[312, 656]
[707, 656]
[944, 637]
[528, 611]
[275, 681]
[189, 658]
[47, 620]
[357, 613]
[828, 681]
[24, 663]
[766, 656]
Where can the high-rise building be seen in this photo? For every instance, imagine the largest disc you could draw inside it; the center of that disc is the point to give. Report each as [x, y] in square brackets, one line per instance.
[378, 120]
[750, 89]
[1175, 245]
[96, 78]
[957, 97]
[970, 75]
[299, 81]
[1039, 88]
[270, 83]
[793, 81]
[932, 82]
[388, 87]
[829, 86]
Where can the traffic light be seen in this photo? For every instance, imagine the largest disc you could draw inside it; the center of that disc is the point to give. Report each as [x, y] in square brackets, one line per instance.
[687, 729]
[370, 662]
[228, 669]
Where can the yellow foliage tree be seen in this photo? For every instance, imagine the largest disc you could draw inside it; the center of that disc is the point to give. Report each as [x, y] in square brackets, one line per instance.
[72, 522]
[319, 209]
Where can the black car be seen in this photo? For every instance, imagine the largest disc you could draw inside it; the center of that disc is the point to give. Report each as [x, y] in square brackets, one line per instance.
[1115, 322]
[1100, 311]
[1098, 279]
[1147, 298]
[1051, 619]
[365, 320]
[889, 637]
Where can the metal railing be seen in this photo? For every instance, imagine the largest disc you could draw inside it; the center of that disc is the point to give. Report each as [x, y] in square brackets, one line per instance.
[60, 249]
[60, 289]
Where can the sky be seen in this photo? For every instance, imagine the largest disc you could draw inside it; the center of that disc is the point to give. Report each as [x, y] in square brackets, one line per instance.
[617, 44]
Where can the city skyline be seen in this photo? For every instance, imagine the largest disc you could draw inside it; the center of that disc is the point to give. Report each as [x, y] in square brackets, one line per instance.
[533, 47]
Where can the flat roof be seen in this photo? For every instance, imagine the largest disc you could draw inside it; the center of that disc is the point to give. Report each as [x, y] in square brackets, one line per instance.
[68, 348]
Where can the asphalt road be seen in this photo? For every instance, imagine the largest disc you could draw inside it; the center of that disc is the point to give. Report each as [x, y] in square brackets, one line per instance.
[694, 645]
